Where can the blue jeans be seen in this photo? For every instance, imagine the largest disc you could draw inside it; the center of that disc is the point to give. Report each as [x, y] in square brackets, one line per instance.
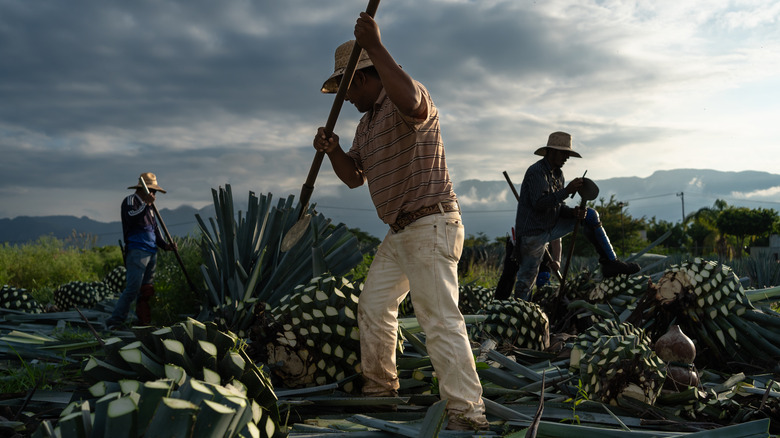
[531, 251]
[140, 267]
[531, 248]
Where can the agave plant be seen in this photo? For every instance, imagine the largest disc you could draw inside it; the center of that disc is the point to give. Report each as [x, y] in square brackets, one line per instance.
[190, 408]
[80, 294]
[18, 299]
[615, 359]
[244, 263]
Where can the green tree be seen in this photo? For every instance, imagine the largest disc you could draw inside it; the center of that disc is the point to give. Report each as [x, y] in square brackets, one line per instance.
[744, 223]
[701, 226]
[479, 240]
[678, 241]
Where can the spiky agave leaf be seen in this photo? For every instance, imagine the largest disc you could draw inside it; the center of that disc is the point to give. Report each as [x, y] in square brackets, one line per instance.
[588, 337]
[708, 301]
[116, 280]
[626, 288]
[474, 298]
[516, 322]
[243, 261]
[198, 350]
[165, 408]
[614, 366]
[80, 294]
[312, 337]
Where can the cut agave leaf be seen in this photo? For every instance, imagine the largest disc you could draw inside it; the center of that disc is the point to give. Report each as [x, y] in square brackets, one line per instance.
[122, 419]
[213, 420]
[173, 417]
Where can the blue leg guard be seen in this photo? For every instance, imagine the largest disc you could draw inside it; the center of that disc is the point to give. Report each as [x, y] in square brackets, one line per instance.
[596, 235]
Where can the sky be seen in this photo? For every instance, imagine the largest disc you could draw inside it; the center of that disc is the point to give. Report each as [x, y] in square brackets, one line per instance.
[204, 93]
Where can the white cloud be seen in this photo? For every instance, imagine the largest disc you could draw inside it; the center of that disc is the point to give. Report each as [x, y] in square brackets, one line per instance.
[770, 193]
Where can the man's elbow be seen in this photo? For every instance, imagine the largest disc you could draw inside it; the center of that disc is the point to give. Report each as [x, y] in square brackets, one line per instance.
[415, 109]
[355, 182]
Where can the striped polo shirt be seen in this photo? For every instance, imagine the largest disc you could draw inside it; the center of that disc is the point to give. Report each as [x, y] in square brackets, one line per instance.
[401, 158]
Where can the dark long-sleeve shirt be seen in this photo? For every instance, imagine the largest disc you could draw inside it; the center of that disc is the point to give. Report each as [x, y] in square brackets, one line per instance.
[139, 225]
[542, 196]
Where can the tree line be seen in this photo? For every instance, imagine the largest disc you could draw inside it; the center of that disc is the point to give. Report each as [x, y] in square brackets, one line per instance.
[723, 230]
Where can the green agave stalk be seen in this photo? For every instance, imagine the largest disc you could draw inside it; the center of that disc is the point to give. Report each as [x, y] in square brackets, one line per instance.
[243, 261]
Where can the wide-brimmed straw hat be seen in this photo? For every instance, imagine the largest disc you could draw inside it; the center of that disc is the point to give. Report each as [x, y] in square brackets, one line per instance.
[151, 182]
[560, 141]
[343, 53]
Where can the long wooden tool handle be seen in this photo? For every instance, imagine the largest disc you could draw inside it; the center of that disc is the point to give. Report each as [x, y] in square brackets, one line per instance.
[571, 247]
[338, 101]
[169, 238]
[511, 186]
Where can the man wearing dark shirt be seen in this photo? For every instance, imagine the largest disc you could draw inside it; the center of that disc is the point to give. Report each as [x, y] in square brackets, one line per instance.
[142, 238]
[542, 216]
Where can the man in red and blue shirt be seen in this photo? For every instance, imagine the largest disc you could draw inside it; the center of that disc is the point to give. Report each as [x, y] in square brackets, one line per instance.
[142, 237]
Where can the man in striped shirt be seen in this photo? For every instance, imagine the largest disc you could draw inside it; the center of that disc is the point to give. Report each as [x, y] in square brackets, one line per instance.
[398, 150]
[542, 217]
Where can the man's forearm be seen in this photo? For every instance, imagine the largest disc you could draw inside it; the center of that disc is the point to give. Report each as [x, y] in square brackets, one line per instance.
[345, 168]
[555, 250]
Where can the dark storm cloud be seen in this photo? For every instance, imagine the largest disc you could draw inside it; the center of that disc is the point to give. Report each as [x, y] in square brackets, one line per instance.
[71, 66]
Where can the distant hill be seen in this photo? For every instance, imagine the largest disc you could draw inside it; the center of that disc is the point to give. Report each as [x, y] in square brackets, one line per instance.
[21, 229]
[488, 206]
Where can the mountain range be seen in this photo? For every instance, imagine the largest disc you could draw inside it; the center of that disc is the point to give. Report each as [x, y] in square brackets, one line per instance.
[488, 206]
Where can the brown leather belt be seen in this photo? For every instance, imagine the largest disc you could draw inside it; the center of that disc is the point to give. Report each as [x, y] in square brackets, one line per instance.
[404, 219]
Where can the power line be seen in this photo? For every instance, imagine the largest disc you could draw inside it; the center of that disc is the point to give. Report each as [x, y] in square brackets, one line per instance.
[650, 197]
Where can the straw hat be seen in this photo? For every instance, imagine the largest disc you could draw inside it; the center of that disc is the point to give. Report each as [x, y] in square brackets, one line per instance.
[151, 182]
[560, 141]
[343, 53]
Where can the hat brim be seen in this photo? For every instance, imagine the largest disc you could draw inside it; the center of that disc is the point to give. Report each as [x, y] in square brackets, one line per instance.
[541, 151]
[150, 186]
[331, 85]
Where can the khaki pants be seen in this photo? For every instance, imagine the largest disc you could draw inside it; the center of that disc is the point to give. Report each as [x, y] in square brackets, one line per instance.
[422, 257]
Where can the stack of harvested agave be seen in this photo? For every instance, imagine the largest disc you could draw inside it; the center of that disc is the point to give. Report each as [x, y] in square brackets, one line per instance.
[709, 303]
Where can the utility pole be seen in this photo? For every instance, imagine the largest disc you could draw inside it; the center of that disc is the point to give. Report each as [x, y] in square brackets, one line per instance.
[620, 205]
[682, 199]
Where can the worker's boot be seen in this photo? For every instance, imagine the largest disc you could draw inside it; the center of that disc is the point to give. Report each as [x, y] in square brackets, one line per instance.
[143, 308]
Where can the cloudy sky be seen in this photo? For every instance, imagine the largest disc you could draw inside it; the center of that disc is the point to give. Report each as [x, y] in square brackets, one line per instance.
[205, 93]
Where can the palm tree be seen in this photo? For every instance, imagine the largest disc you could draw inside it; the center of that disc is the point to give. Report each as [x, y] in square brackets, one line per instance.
[702, 227]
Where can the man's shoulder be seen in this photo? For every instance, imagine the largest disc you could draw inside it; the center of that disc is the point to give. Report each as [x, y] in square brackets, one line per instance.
[536, 167]
[131, 200]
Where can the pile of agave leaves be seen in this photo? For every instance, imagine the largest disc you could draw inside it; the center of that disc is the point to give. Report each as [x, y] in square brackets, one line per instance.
[574, 362]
